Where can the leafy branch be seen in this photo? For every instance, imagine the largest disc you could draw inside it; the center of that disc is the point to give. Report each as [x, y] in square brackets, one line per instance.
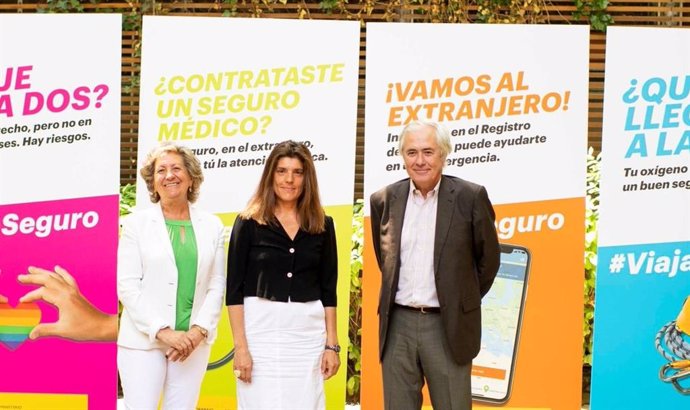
[595, 12]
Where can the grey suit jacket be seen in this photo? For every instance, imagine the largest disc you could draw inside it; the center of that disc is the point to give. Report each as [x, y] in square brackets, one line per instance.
[466, 257]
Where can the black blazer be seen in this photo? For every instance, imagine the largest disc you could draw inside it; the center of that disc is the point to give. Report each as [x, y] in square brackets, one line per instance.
[466, 257]
[263, 261]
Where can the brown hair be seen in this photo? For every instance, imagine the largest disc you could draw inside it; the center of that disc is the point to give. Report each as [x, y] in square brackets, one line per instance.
[191, 164]
[261, 206]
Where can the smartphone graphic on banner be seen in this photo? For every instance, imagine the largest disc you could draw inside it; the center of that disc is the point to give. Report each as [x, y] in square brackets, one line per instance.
[502, 307]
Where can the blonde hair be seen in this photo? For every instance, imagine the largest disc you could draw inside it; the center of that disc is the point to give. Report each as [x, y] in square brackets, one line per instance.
[191, 164]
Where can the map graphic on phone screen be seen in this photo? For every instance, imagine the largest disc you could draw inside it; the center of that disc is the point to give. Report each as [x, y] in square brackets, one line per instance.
[502, 307]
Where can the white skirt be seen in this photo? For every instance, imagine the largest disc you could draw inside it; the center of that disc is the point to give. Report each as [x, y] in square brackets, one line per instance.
[286, 341]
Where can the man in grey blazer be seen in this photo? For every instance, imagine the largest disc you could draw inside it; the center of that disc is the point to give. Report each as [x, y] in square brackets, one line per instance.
[437, 249]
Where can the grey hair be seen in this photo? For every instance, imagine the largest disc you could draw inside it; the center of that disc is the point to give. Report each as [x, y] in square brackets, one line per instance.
[441, 133]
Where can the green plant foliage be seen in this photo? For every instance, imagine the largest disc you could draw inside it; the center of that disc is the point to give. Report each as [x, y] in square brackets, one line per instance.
[329, 5]
[231, 8]
[128, 197]
[131, 21]
[595, 12]
[591, 220]
[62, 6]
[354, 349]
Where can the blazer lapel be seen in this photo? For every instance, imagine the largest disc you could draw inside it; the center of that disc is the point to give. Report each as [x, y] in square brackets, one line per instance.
[162, 235]
[197, 225]
[398, 205]
[444, 214]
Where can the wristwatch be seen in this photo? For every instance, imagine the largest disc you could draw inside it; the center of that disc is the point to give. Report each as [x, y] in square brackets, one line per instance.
[335, 348]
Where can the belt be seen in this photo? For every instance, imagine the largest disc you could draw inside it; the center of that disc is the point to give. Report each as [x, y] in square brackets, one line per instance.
[422, 309]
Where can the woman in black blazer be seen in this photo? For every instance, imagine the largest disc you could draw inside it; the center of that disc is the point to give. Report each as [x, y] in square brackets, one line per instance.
[282, 277]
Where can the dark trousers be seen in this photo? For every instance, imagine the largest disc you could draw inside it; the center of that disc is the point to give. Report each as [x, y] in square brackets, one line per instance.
[417, 352]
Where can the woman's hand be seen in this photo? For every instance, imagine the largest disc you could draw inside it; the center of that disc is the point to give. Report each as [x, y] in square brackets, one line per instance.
[243, 362]
[330, 362]
[178, 340]
[196, 336]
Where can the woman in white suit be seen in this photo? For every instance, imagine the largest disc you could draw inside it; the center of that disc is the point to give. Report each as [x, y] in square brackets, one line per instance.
[170, 281]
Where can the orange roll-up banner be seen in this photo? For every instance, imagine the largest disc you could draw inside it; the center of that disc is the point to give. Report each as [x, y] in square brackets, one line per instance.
[516, 107]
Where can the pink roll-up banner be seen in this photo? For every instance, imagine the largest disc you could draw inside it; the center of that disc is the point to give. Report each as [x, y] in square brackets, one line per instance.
[59, 179]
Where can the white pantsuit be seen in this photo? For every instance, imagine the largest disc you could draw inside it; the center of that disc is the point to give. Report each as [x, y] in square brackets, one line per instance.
[147, 287]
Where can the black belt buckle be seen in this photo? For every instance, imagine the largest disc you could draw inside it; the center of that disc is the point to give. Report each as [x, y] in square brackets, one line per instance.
[422, 309]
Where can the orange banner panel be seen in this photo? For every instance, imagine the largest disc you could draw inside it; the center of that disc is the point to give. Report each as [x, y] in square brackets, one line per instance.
[488, 372]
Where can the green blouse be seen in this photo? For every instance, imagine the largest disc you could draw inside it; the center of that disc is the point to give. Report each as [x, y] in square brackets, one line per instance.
[184, 248]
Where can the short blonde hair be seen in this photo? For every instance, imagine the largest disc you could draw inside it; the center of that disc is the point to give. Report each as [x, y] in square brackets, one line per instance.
[191, 164]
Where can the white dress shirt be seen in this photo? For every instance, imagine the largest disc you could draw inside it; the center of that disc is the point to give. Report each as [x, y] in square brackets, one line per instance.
[416, 285]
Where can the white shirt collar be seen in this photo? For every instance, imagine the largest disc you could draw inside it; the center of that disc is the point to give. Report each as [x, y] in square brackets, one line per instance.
[416, 192]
